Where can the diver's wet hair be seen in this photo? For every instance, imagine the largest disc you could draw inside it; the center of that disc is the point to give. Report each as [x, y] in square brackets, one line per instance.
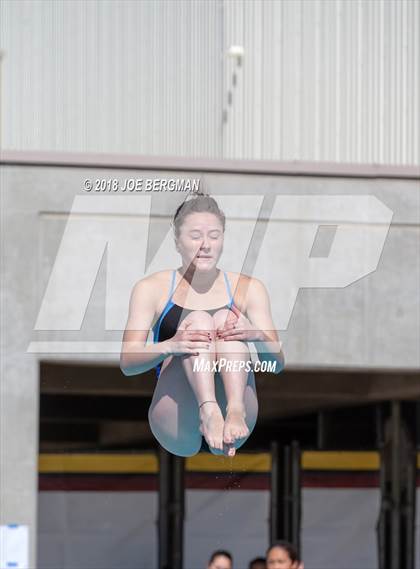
[288, 547]
[199, 203]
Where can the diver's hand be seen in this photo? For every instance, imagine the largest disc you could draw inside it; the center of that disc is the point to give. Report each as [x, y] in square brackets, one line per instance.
[187, 341]
[238, 328]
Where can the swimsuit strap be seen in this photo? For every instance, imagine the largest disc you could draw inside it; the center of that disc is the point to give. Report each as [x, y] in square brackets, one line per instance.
[228, 290]
[171, 292]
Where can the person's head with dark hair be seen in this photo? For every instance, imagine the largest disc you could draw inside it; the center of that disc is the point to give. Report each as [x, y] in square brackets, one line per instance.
[257, 563]
[199, 227]
[283, 555]
[220, 559]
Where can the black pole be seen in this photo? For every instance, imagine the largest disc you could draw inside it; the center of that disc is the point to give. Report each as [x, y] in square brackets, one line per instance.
[396, 485]
[286, 501]
[296, 493]
[178, 513]
[285, 496]
[274, 491]
[383, 513]
[396, 525]
[171, 510]
[164, 507]
[410, 511]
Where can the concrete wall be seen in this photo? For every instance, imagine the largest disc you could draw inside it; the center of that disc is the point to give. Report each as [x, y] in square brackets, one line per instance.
[370, 323]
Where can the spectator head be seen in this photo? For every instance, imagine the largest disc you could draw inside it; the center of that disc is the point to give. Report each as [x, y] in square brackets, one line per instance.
[257, 563]
[220, 559]
[283, 555]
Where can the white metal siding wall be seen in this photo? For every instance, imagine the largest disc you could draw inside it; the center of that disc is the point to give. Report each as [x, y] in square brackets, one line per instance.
[126, 76]
[322, 80]
[328, 80]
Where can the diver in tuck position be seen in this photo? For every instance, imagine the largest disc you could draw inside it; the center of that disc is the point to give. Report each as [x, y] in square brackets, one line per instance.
[206, 383]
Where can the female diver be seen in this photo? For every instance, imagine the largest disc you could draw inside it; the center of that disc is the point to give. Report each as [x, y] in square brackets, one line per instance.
[197, 323]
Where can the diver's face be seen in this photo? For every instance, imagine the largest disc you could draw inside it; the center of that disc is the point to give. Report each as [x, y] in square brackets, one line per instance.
[278, 558]
[200, 241]
[221, 562]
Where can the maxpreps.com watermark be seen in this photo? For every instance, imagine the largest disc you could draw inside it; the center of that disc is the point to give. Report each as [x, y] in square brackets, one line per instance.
[202, 364]
[133, 185]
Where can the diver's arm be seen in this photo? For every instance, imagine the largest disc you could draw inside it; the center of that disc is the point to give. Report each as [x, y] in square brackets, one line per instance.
[138, 356]
[266, 341]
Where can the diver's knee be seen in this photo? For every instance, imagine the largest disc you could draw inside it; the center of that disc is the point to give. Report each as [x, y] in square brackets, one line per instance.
[199, 318]
[222, 316]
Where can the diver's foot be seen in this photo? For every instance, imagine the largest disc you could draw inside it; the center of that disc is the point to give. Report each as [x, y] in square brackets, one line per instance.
[211, 424]
[235, 426]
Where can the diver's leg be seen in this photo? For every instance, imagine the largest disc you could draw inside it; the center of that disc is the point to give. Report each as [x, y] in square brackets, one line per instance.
[250, 403]
[239, 384]
[174, 415]
[200, 375]
[173, 412]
